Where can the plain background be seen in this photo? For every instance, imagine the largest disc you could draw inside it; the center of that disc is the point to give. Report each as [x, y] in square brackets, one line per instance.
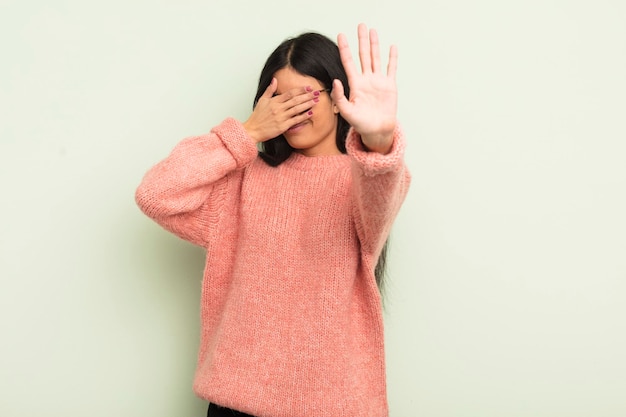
[508, 267]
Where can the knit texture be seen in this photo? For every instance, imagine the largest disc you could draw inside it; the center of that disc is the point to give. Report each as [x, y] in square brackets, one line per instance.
[291, 315]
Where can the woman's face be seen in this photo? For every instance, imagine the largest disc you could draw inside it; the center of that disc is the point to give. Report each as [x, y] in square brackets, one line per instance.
[317, 135]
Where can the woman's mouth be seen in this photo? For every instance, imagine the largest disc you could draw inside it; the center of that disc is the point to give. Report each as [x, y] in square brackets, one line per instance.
[296, 127]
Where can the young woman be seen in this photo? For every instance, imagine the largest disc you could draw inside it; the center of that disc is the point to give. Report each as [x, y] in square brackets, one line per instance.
[293, 206]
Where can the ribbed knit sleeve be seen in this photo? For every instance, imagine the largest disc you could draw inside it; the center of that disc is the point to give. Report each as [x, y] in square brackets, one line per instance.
[380, 185]
[178, 192]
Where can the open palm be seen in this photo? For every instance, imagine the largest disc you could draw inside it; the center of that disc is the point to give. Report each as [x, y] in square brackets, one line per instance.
[372, 105]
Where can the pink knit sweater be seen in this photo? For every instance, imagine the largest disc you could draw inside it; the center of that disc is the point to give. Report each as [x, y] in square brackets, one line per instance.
[291, 315]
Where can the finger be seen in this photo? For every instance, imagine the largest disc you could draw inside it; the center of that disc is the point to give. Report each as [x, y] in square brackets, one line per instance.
[294, 93]
[299, 96]
[300, 108]
[374, 50]
[299, 118]
[364, 49]
[392, 66]
[346, 55]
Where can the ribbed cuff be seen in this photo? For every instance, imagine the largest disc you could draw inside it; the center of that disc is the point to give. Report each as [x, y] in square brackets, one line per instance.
[374, 163]
[237, 141]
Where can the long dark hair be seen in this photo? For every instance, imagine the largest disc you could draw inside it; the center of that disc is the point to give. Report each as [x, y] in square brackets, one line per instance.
[317, 56]
[309, 54]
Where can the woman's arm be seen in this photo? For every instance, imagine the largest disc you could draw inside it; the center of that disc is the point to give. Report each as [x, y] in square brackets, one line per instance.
[178, 192]
[380, 183]
[375, 142]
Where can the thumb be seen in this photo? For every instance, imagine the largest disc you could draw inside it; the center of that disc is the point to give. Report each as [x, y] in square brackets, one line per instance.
[338, 95]
[271, 89]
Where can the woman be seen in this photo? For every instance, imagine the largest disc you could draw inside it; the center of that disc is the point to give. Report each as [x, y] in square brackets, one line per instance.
[293, 206]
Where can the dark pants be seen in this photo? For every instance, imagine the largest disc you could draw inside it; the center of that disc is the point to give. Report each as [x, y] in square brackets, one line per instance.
[217, 411]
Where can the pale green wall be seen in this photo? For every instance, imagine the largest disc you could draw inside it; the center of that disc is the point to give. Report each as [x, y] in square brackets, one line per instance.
[508, 258]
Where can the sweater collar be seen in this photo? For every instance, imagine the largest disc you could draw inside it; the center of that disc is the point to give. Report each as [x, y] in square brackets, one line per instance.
[312, 163]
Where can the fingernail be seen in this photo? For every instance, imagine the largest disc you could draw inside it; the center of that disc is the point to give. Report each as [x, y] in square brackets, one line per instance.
[316, 93]
[316, 99]
[308, 88]
[310, 113]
